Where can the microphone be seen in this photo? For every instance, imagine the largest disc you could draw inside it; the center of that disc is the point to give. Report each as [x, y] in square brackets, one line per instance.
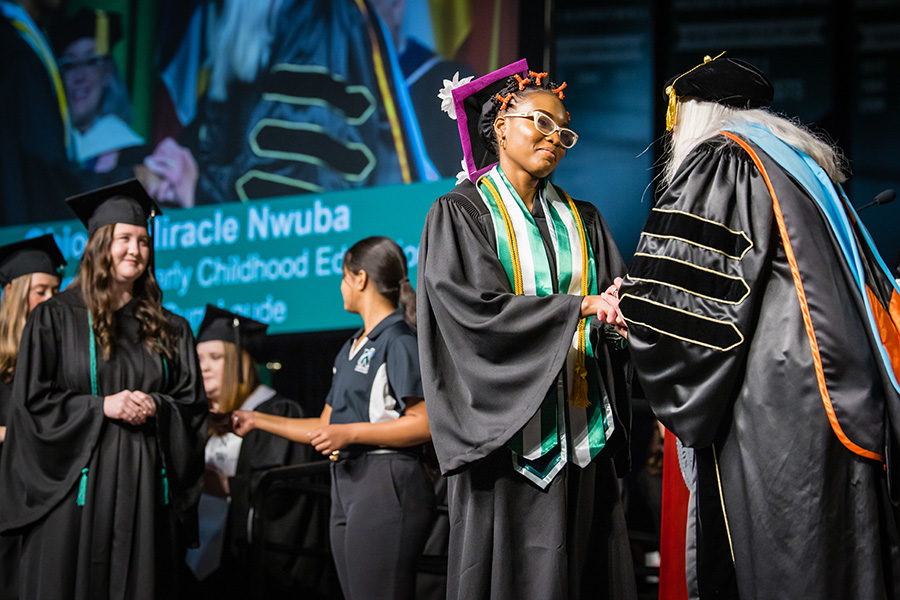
[884, 197]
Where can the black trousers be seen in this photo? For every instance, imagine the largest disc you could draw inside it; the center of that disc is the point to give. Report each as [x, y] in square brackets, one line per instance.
[382, 510]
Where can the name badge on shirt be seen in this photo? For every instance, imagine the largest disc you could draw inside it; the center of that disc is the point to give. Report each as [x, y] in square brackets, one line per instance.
[365, 359]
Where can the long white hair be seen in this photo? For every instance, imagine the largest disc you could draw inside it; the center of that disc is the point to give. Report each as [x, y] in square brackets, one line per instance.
[240, 42]
[698, 121]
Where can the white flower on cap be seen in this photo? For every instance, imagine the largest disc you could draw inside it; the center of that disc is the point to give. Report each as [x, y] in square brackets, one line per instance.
[462, 175]
[446, 94]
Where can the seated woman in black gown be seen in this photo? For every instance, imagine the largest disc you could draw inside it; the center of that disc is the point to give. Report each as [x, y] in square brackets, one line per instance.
[229, 346]
[104, 460]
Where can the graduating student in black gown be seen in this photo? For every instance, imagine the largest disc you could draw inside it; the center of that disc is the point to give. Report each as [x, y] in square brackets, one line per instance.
[372, 428]
[29, 274]
[528, 401]
[104, 458]
[229, 346]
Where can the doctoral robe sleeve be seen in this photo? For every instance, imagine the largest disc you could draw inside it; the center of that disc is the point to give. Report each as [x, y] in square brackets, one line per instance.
[488, 357]
[694, 289]
[52, 430]
[181, 410]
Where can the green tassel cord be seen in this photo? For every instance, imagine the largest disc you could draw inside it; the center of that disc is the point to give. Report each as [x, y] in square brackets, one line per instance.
[82, 487]
[165, 487]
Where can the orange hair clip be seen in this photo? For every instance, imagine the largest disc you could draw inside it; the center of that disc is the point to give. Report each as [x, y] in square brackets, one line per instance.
[504, 101]
[537, 77]
[568, 117]
[521, 81]
[559, 91]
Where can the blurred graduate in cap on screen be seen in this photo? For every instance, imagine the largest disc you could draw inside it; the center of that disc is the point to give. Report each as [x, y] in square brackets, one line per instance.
[230, 347]
[29, 274]
[763, 327]
[103, 461]
[98, 101]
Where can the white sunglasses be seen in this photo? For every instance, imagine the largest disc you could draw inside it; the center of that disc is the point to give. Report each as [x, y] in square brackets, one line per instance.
[544, 124]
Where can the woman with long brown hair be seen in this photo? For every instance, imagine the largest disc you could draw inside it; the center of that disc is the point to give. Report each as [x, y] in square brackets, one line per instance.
[103, 461]
[372, 427]
[29, 274]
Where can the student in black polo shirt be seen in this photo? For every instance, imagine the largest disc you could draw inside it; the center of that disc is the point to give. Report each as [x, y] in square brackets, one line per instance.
[372, 427]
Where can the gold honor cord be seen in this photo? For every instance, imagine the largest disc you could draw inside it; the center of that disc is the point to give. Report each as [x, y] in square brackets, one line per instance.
[579, 395]
[510, 233]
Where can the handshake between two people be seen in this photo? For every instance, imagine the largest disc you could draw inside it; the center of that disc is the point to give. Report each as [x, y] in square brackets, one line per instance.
[605, 307]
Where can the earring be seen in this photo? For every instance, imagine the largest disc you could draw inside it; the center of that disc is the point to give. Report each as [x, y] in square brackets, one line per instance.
[503, 142]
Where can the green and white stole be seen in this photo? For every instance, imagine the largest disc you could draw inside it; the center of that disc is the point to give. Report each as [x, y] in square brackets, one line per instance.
[541, 448]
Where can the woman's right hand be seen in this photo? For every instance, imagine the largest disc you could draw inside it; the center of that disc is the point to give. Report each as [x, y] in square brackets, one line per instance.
[128, 406]
[243, 422]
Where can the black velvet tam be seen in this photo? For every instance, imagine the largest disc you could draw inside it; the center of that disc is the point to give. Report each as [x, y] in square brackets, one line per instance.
[727, 81]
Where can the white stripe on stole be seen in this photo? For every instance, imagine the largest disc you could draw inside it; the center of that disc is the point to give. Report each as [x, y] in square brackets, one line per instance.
[578, 424]
[523, 240]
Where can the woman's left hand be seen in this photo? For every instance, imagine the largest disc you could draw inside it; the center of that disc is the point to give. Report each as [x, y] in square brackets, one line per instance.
[331, 437]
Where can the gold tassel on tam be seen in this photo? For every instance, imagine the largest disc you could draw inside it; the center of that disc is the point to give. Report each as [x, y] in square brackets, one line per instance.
[101, 37]
[672, 109]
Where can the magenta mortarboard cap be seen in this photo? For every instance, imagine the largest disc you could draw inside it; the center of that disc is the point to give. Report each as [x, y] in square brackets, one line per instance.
[469, 102]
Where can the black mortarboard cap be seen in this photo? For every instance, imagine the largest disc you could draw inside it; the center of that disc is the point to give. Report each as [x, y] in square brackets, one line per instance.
[34, 255]
[124, 202]
[471, 103]
[103, 26]
[220, 324]
[729, 81]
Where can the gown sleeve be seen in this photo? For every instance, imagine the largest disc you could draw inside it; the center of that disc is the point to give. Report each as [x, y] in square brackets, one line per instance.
[260, 451]
[692, 291]
[181, 410]
[52, 430]
[488, 356]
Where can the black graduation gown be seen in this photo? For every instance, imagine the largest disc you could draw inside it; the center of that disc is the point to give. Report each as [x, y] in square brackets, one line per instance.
[5, 399]
[725, 359]
[127, 539]
[10, 546]
[488, 359]
[260, 451]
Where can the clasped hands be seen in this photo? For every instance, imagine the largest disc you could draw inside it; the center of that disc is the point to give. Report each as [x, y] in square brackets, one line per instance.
[133, 407]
